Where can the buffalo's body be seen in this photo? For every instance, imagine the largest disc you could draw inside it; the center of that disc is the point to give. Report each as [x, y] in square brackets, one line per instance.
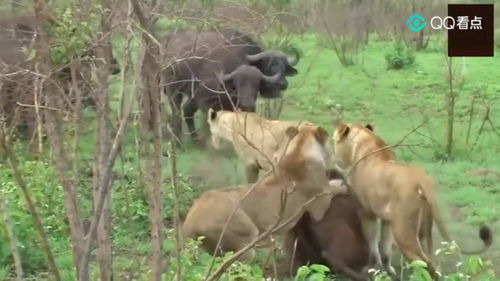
[18, 83]
[223, 69]
[336, 241]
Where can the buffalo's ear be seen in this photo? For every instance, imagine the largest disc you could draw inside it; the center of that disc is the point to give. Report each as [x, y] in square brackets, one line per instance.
[342, 131]
[369, 127]
[212, 114]
[321, 135]
[291, 131]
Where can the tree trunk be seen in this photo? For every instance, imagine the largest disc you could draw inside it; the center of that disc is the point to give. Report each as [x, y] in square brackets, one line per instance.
[103, 146]
[151, 136]
[12, 239]
[54, 132]
[450, 110]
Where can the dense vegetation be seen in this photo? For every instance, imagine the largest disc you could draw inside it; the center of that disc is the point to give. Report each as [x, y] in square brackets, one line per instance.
[383, 80]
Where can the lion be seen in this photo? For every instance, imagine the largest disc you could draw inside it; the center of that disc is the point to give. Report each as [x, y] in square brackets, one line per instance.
[400, 195]
[240, 214]
[254, 138]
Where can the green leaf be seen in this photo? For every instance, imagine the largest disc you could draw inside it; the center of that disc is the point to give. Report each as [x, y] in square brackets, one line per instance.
[320, 268]
[302, 272]
[418, 264]
[474, 265]
[317, 277]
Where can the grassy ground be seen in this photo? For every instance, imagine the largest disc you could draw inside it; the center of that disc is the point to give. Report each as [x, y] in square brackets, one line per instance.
[395, 102]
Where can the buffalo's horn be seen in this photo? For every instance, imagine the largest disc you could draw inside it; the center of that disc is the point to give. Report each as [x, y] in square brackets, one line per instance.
[271, 79]
[229, 76]
[261, 55]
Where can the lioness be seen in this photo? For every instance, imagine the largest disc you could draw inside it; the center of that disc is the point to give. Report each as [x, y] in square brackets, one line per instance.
[241, 213]
[255, 139]
[401, 195]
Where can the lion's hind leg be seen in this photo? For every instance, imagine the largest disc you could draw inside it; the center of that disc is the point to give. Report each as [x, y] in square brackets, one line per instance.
[408, 238]
[371, 231]
[240, 232]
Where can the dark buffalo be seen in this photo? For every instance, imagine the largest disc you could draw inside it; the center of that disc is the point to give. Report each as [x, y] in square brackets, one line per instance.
[17, 81]
[198, 61]
[336, 241]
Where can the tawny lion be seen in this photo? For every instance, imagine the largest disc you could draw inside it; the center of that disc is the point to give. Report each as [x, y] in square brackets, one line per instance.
[402, 196]
[254, 139]
[240, 214]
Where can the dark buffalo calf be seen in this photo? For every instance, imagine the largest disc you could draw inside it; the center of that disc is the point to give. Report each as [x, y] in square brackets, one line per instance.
[337, 241]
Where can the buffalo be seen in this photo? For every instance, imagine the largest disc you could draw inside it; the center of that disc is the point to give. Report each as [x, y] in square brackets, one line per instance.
[223, 70]
[17, 83]
[337, 240]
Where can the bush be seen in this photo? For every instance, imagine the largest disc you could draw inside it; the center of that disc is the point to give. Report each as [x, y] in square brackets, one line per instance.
[312, 272]
[196, 262]
[400, 56]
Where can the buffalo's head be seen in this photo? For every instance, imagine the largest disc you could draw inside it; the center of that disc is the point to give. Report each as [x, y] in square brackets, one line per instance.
[271, 63]
[246, 80]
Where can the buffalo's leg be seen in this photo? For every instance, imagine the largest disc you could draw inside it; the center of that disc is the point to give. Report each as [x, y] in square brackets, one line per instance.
[175, 101]
[190, 109]
[252, 173]
[337, 263]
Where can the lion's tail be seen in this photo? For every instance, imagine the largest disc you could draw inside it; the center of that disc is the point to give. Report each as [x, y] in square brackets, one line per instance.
[484, 231]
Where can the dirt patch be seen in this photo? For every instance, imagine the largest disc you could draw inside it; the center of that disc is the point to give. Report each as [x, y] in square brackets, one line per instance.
[484, 173]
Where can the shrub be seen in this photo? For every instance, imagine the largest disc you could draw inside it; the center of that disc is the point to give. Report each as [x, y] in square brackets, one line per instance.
[196, 262]
[313, 272]
[400, 56]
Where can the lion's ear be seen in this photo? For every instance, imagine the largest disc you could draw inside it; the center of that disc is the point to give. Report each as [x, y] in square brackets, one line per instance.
[291, 131]
[369, 127]
[321, 135]
[212, 114]
[342, 131]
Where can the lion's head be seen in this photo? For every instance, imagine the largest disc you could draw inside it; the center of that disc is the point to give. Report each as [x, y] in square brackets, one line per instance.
[352, 141]
[306, 142]
[218, 129]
